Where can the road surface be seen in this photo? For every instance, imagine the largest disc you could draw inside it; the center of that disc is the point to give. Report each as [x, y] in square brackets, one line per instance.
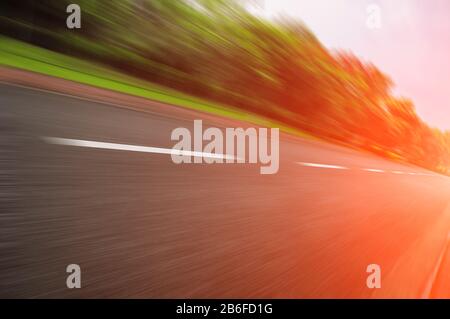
[141, 226]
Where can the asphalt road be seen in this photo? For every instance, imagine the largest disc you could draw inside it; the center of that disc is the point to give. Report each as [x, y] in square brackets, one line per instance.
[141, 226]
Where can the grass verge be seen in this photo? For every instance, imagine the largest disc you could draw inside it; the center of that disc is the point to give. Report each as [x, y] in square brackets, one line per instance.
[28, 57]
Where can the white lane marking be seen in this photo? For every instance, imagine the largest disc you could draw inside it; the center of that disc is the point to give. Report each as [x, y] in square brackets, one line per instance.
[321, 165]
[131, 148]
[373, 170]
[432, 279]
[411, 173]
[159, 150]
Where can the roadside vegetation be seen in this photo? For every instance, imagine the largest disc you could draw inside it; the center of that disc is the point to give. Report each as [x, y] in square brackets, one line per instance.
[217, 57]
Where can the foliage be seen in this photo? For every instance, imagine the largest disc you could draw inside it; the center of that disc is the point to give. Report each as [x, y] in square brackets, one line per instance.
[218, 51]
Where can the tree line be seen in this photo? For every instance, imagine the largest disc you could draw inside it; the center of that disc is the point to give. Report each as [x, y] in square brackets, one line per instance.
[216, 50]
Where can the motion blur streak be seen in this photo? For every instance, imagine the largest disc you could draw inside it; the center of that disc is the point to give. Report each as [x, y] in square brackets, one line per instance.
[220, 52]
[130, 148]
[362, 179]
[141, 226]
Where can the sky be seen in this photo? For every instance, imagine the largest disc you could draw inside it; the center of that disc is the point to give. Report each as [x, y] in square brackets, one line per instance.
[410, 42]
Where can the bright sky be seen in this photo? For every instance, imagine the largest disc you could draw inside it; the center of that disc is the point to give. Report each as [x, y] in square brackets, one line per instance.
[412, 45]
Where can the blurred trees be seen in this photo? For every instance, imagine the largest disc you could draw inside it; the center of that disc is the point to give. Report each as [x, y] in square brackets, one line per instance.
[216, 50]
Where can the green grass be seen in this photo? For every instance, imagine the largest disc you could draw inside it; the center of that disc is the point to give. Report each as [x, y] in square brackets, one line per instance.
[24, 56]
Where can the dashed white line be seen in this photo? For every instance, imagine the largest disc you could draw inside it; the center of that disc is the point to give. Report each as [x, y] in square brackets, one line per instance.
[373, 170]
[159, 150]
[131, 148]
[322, 165]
